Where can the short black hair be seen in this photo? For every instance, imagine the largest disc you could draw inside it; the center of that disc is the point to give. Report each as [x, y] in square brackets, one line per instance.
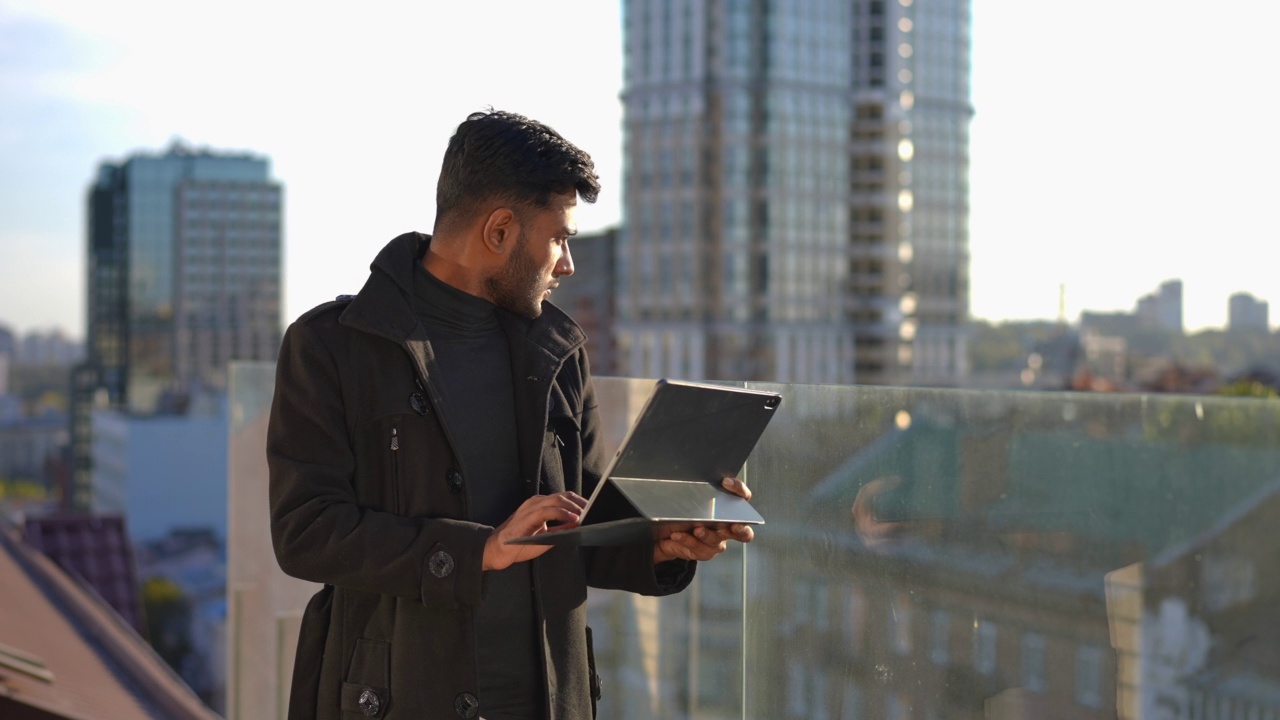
[503, 156]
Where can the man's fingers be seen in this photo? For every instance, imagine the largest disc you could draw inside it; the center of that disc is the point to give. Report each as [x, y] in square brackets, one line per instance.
[571, 500]
[737, 487]
[537, 511]
[683, 546]
[544, 515]
[700, 544]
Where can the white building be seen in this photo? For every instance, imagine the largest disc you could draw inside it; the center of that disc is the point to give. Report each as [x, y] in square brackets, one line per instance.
[163, 471]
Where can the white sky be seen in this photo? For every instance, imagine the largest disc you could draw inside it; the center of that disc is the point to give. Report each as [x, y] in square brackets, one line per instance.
[1116, 144]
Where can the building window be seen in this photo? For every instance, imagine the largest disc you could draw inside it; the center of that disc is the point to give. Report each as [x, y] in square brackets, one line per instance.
[985, 634]
[1089, 676]
[939, 645]
[851, 703]
[818, 695]
[821, 611]
[853, 619]
[797, 692]
[1033, 662]
[900, 624]
[896, 708]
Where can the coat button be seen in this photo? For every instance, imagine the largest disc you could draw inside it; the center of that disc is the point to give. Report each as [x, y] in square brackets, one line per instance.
[454, 478]
[440, 564]
[369, 703]
[418, 403]
[467, 705]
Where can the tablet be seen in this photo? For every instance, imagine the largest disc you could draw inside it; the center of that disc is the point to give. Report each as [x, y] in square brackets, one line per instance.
[666, 474]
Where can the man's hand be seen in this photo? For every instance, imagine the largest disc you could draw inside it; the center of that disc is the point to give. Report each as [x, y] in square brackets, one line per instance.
[530, 518]
[705, 543]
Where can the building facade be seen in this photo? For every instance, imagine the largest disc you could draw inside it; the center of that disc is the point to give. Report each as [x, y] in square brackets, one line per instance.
[184, 275]
[588, 296]
[1245, 312]
[796, 190]
[137, 461]
[1162, 310]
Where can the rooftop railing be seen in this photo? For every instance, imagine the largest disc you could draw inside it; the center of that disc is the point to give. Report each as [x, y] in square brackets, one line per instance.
[927, 554]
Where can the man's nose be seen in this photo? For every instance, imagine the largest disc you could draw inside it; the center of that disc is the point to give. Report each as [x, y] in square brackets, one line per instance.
[565, 264]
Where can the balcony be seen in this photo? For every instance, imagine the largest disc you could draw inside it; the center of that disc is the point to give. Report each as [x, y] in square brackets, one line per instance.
[928, 553]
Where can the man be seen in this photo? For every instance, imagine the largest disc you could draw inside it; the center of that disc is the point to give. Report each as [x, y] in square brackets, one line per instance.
[419, 425]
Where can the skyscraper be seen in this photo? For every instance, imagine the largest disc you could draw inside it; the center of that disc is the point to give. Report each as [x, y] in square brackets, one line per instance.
[796, 199]
[1162, 310]
[183, 276]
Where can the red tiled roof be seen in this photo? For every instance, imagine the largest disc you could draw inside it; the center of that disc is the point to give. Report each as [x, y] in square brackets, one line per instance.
[65, 654]
[95, 547]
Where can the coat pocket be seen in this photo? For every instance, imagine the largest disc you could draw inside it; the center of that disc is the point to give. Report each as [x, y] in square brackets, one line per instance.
[366, 693]
[562, 454]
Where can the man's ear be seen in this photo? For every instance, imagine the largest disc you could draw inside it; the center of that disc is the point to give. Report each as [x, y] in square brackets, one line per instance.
[500, 230]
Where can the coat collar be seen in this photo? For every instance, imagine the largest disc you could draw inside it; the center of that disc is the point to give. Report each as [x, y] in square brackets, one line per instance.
[383, 308]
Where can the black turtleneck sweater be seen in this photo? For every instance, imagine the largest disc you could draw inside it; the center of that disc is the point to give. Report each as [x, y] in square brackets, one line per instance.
[475, 376]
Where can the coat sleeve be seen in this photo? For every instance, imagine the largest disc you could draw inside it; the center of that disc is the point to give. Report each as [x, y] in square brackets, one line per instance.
[319, 531]
[625, 567]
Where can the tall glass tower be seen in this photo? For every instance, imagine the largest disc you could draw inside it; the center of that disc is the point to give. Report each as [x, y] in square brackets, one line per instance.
[795, 190]
[184, 275]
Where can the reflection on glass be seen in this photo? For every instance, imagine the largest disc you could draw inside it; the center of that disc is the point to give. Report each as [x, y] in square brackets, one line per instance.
[1015, 555]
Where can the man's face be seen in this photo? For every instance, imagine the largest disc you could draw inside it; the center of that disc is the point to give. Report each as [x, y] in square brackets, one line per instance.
[538, 260]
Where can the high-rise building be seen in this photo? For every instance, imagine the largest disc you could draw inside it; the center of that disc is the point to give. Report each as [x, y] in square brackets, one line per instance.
[1245, 312]
[184, 260]
[1162, 310]
[588, 295]
[796, 198]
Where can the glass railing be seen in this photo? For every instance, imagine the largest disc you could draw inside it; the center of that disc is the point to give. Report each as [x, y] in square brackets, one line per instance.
[928, 554]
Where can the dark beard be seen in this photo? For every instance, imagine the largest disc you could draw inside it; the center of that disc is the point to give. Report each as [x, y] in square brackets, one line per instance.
[518, 286]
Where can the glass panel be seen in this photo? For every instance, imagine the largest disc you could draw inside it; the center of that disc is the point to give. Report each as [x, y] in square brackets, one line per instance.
[928, 553]
[265, 605]
[672, 657]
[1080, 556]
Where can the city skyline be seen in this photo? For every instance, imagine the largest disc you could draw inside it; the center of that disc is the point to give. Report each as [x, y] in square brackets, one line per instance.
[1101, 170]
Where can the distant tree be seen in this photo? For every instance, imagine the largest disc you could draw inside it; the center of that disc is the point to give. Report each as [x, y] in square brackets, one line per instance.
[1248, 388]
[21, 489]
[168, 614]
[1005, 346]
[37, 385]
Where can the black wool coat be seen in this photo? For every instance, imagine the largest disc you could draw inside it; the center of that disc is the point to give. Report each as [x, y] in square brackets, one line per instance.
[368, 498]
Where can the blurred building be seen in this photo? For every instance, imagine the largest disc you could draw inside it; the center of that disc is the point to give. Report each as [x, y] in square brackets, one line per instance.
[183, 276]
[588, 296]
[163, 471]
[48, 348]
[28, 443]
[194, 559]
[5, 363]
[1108, 324]
[1162, 310]
[1245, 312]
[796, 193]
[7, 352]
